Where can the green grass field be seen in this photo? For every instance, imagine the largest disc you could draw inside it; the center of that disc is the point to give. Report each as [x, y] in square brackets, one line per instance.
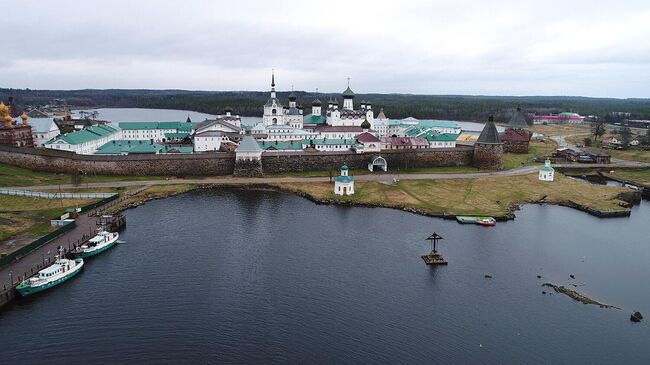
[17, 176]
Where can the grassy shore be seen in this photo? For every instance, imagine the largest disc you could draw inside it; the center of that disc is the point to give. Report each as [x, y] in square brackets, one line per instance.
[535, 149]
[495, 196]
[153, 192]
[17, 176]
[641, 177]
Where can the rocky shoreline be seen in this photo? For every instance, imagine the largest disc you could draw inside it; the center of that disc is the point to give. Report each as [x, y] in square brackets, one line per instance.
[577, 296]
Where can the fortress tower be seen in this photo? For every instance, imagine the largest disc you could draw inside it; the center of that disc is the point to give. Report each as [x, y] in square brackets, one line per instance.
[488, 149]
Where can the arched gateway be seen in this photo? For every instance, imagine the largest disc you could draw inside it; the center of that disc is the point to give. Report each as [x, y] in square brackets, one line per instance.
[377, 163]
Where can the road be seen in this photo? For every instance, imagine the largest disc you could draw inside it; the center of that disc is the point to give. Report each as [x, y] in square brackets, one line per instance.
[380, 177]
[44, 255]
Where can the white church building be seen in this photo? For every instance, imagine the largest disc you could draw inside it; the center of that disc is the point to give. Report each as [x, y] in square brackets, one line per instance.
[547, 173]
[344, 184]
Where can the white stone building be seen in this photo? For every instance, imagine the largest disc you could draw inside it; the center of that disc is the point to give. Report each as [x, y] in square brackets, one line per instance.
[248, 149]
[85, 141]
[207, 141]
[344, 184]
[43, 130]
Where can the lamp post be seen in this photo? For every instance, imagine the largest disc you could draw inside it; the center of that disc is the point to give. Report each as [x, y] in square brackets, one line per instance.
[11, 277]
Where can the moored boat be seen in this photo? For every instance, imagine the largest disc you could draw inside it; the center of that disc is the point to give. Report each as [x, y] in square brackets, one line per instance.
[489, 222]
[100, 243]
[484, 221]
[61, 270]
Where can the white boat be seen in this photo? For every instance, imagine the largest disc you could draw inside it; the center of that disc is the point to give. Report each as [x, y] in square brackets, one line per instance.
[61, 270]
[100, 243]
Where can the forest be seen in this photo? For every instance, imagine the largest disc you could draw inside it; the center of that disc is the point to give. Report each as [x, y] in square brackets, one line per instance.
[249, 103]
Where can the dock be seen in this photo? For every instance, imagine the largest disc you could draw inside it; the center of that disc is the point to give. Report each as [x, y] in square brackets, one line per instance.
[43, 255]
[433, 257]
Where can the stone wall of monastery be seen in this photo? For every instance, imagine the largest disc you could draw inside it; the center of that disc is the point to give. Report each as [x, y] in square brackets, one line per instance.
[223, 163]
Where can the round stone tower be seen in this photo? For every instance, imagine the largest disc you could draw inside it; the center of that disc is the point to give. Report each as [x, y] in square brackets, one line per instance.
[488, 149]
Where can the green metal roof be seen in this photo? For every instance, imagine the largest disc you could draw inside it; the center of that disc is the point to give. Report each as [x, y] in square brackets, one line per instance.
[314, 119]
[444, 137]
[344, 179]
[176, 135]
[276, 145]
[87, 134]
[122, 146]
[547, 169]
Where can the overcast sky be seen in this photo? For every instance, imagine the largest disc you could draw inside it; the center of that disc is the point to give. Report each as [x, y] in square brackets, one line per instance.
[509, 47]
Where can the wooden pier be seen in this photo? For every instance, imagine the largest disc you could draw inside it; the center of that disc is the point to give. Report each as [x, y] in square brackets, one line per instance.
[433, 257]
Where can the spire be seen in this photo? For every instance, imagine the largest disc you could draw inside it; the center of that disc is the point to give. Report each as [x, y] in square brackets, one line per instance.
[518, 119]
[489, 135]
[272, 77]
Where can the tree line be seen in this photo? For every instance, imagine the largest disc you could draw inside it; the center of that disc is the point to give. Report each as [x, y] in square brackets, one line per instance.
[249, 103]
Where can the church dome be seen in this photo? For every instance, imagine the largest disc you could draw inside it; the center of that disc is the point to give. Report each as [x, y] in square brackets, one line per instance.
[316, 102]
[365, 124]
[292, 97]
[348, 94]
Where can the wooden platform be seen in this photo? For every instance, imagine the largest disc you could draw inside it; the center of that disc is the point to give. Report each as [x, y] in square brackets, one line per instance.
[434, 258]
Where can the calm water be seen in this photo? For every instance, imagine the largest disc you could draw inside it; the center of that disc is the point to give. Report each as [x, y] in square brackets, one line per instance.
[250, 277]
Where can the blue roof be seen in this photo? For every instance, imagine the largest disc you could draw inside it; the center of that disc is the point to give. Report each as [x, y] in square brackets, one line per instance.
[344, 179]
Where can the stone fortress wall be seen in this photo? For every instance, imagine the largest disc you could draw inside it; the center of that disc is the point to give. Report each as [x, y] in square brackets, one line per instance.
[223, 163]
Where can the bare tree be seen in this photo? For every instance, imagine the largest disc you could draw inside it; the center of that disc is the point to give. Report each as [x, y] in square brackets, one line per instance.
[598, 130]
[626, 136]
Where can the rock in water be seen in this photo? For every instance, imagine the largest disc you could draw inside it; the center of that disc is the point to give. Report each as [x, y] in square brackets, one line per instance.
[488, 275]
[636, 317]
[572, 277]
[539, 276]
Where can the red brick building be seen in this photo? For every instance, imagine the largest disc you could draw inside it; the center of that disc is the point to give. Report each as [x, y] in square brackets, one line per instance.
[13, 134]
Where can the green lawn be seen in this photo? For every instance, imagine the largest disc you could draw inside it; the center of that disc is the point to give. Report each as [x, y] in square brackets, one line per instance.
[535, 149]
[19, 214]
[17, 176]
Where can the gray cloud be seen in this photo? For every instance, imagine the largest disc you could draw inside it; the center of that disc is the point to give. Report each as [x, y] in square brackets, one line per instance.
[443, 47]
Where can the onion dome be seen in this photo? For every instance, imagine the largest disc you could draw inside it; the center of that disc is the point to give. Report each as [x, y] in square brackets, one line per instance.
[3, 108]
[316, 102]
[292, 97]
[365, 124]
[24, 118]
[344, 167]
[227, 109]
[348, 94]
[335, 102]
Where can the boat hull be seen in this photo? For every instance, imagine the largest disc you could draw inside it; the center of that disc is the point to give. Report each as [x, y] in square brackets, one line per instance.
[26, 290]
[85, 254]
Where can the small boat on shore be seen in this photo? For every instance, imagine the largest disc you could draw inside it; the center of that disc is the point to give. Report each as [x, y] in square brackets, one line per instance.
[98, 244]
[61, 270]
[488, 222]
[483, 221]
